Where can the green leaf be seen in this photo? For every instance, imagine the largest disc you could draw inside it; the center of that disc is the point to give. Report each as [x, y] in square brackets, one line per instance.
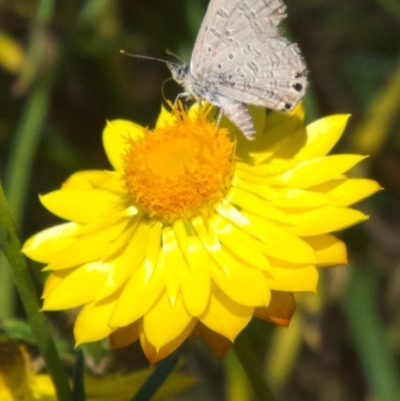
[18, 330]
[367, 332]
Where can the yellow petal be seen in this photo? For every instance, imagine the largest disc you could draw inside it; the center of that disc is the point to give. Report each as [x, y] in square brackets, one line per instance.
[115, 136]
[137, 296]
[165, 118]
[346, 192]
[174, 264]
[164, 322]
[103, 223]
[129, 260]
[242, 284]
[275, 241]
[153, 248]
[324, 220]
[280, 310]
[225, 316]
[239, 243]
[92, 323]
[277, 128]
[44, 245]
[259, 172]
[330, 251]
[81, 206]
[289, 147]
[79, 287]
[53, 280]
[124, 336]
[154, 354]
[322, 136]
[254, 204]
[206, 234]
[96, 179]
[280, 243]
[287, 197]
[88, 248]
[294, 280]
[116, 245]
[195, 278]
[196, 281]
[316, 171]
[313, 141]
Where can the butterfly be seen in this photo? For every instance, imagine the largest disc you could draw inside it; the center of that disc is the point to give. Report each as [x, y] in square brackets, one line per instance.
[240, 58]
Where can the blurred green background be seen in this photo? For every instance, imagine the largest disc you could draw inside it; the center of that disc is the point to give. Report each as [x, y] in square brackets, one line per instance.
[61, 77]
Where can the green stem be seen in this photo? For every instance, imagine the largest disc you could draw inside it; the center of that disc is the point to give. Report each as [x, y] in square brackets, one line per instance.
[23, 281]
[26, 138]
[161, 372]
[246, 357]
[7, 291]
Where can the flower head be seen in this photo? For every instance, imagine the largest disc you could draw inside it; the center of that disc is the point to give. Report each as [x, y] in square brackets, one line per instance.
[17, 382]
[197, 230]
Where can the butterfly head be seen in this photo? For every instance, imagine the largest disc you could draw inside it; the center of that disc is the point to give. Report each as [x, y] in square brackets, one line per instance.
[179, 72]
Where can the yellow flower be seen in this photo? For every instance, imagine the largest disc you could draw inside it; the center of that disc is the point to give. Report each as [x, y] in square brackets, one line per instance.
[16, 381]
[197, 230]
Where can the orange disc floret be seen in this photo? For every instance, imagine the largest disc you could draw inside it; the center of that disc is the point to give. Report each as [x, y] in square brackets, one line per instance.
[180, 170]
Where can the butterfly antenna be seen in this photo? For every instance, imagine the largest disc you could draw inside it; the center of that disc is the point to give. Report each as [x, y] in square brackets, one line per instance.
[144, 57]
[154, 59]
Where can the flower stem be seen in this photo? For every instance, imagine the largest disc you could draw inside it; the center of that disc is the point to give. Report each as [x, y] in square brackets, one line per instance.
[11, 247]
[248, 360]
[157, 378]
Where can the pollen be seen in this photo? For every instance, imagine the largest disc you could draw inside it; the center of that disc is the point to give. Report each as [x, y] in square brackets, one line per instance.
[179, 170]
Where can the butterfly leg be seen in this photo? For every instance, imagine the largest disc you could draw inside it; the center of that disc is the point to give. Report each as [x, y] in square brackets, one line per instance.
[181, 95]
[219, 116]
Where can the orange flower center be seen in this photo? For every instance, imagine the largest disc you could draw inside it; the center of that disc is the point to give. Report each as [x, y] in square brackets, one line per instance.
[179, 170]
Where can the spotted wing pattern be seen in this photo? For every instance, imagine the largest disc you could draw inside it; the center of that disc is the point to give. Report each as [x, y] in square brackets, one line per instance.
[241, 57]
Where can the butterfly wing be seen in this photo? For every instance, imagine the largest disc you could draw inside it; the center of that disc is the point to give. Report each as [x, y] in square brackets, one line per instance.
[239, 46]
[276, 80]
[227, 21]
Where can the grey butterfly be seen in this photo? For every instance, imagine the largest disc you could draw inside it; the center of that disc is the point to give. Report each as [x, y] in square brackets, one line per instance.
[241, 58]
